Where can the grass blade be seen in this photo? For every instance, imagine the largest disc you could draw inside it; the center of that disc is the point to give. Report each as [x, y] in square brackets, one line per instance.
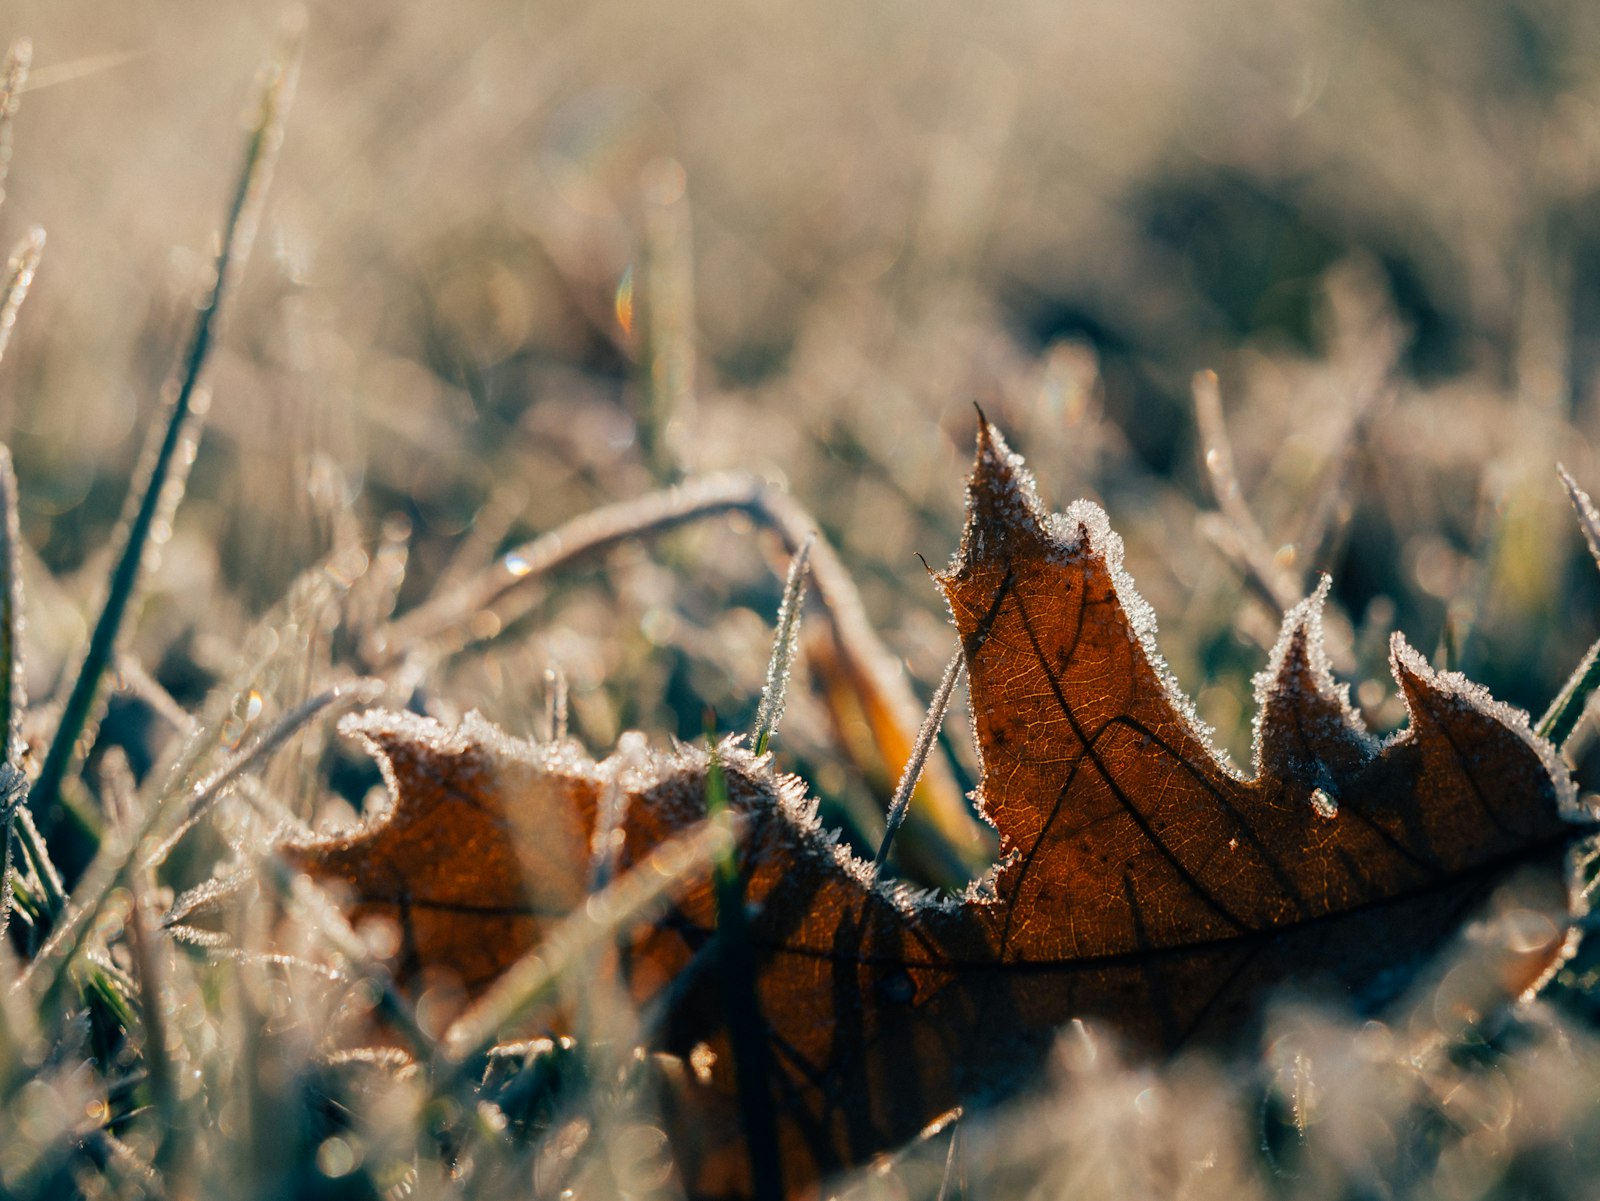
[12, 78]
[163, 483]
[13, 697]
[669, 317]
[146, 847]
[919, 755]
[1564, 713]
[1588, 516]
[785, 644]
[120, 791]
[13, 786]
[1253, 552]
[625, 902]
[1562, 717]
[19, 276]
[736, 965]
[950, 844]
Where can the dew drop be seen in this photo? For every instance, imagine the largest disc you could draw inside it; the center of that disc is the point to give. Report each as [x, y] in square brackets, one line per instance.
[702, 1059]
[1324, 803]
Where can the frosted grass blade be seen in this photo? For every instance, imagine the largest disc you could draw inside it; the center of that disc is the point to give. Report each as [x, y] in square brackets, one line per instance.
[162, 486]
[785, 643]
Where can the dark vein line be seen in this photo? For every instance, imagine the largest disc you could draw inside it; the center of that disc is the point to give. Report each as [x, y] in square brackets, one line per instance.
[980, 633]
[1484, 871]
[1090, 752]
[1472, 781]
[1417, 858]
[1251, 954]
[1284, 882]
[406, 903]
[1160, 1001]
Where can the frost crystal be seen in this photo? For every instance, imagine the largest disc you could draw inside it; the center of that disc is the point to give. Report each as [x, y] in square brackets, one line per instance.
[1324, 803]
[784, 647]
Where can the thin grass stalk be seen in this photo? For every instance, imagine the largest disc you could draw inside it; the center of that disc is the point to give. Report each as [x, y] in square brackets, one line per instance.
[741, 1005]
[13, 696]
[162, 486]
[628, 900]
[371, 599]
[31, 843]
[211, 790]
[606, 843]
[129, 1166]
[956, 844]
[446, 623]
[490, 525]
[47, 974]
[926, 736]
[121, 794]
[13, 78]
[311, 590]
[1255, 553]
[950, 1162]
[555, 704]
[13, 795]
[20, 271]
[669, 317]
[1218, 530]
[1327, 519]
[785, 645]
[314, 907]
[1588, 515]
[1566, 710]
[13, 678]
[136, 681]
[1564, 713]
[149, 845]
[54, 75]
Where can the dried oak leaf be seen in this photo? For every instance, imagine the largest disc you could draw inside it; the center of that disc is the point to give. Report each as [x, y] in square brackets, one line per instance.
[1143, 882]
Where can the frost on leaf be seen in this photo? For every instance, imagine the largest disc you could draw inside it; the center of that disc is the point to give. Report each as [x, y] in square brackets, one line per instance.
[1170, 889]
[1143, 882]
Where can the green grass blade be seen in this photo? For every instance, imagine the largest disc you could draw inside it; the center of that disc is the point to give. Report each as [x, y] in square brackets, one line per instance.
[1588, 516]
[52, 893]
[162, 486]
[1560, 719]
[1565, 711]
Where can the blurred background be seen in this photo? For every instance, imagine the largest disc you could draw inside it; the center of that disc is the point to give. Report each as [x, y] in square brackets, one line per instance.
[524, 259]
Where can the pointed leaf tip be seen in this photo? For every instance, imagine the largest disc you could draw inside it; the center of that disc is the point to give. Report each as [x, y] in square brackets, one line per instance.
[1299, 652]
[1410, 671]
[1002, 503]
[1305, 726]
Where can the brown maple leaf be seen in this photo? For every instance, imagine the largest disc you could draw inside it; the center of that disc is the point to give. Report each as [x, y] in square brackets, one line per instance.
[1143, 882]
